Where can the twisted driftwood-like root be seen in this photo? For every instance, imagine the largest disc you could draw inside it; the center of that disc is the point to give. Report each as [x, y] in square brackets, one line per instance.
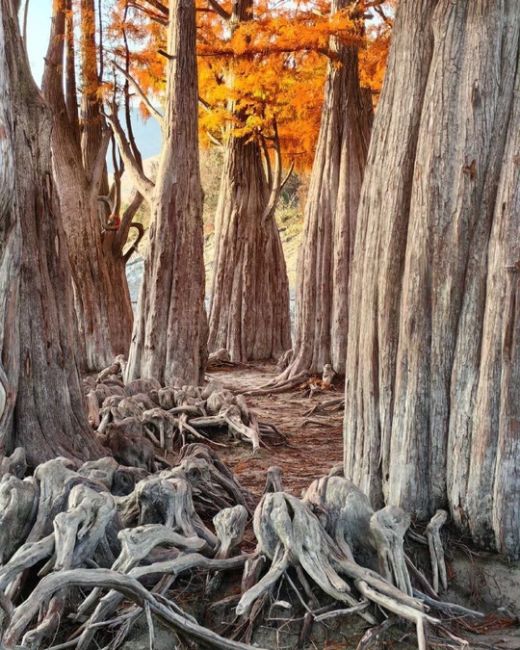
[66, 518]
[230, 525]
[123, 584]
[437, 550]
[213, 486]
[376, 539]
[289, 534]
[124, 534]
[168, 417]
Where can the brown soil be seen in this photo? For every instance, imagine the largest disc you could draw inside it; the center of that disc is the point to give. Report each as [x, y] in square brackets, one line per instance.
[312, 447]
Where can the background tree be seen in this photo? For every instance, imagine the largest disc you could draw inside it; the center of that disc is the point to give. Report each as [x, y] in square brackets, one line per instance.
[249, 308]
[169, 341]
[260, 91]
[96, 238]
[433, 342]
[331, 208]
[270, 57]
[41, 405]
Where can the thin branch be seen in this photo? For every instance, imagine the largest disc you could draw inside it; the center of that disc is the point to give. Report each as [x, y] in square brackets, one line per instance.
[166, 55]
[71, 94]
[276, 176]
[128, 114]
[156, 4]
[25, 17]
[216, 6]
[140, 234]
[157, 114]
[100, 36]
[268, 166]
[158, 18]
[214, 140]
[142, 182]
[288, 175]
[126, 223]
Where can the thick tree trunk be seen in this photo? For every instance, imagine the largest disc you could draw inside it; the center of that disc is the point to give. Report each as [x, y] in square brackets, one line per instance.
[250, 296]
[432, 360]
[330, 218]
[170, 333]
[49, 419]
[10, 251]
[249, 313]
[101, 296]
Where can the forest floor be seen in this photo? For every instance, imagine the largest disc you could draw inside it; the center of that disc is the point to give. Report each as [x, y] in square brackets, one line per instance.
[313, 447]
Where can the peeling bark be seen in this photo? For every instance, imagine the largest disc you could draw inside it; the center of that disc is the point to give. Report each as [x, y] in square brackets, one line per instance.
[430, 418]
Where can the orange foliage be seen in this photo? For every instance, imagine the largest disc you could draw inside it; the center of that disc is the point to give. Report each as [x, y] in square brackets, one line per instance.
[264, 71]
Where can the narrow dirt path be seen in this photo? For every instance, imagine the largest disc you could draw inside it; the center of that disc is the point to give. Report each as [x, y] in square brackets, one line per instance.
[313, 447]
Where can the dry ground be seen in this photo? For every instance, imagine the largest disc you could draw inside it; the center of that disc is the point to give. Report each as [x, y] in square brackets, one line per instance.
[312, 447]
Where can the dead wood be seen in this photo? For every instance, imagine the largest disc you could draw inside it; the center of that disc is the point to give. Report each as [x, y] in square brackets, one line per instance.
[169, 417]
[77, 527]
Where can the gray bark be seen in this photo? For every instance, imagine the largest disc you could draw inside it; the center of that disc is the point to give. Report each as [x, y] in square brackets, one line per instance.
[330, 217]
[36, 330]
[433, 342]
[170, 333]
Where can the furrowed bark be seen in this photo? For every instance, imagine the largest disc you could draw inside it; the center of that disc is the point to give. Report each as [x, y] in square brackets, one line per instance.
[249, 313]
[101, 296]
[430, 419]
[10, 254]
[170, 333]
[48, 414]
[330, 217]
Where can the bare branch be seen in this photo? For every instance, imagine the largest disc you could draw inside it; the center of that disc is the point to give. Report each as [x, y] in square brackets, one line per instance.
[128, 114]
[158, 18]
[288, 175]
[71, 95]
[166, 55]
[142, 182]
[157, 114]
[140, 234]
[156, 4]
[276, 176]
[213, 139]
[268, 166]
[25, 17]
[127, 223]
[216, 6]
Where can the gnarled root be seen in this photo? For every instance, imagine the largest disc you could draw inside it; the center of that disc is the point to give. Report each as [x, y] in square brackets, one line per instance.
[169, 417]
[64, 525]
[438, 563]
[290, 534]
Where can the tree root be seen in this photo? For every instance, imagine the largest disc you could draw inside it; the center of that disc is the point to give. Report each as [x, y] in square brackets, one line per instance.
[290, 534]
[70, 529]
[168, 417]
